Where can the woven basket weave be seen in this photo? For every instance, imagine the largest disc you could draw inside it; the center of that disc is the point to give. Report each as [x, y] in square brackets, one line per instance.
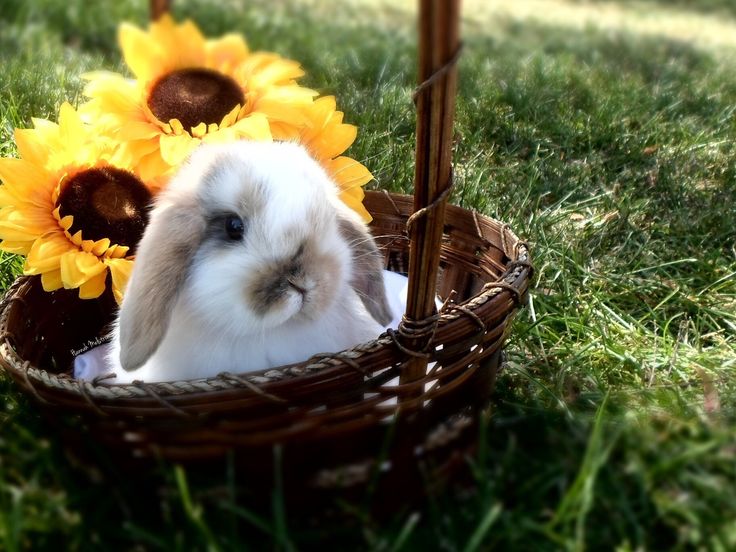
[339, 420]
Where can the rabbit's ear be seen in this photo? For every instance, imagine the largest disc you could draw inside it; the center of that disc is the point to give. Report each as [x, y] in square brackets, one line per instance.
[162, 263]
[367, 276]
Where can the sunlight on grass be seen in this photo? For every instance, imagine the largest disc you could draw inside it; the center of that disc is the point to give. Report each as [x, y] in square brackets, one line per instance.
[649, 19]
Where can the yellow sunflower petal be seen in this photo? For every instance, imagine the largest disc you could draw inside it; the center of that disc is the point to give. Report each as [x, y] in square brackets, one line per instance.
[176, 126]
[175, 149]
[152, 166]
[286, 132]
[18, 224]
[120, 269]
[111, 93]
[71, 128]
[356, 193]
[137, 130]
[25, 181]
[355, 202]
[263, 69]
[138, 51]
[347, 172]
[200, 130]
[100, 246]
[254, 127]
[334, 140]
[94, 287]
[78, 267]
[116, 252]
[19, 248]
[183, 44]
[30, 146]
[51, 281]
[226, 52]
[44, 126]
[7, 197]
[65, 222]
[286, 103]
[45, 254]
[130, 154]
[323, 108]
[222, 136]
[231, 117]
[77, 238]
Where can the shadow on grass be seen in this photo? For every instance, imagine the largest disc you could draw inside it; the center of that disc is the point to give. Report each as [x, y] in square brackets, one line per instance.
[589, 473]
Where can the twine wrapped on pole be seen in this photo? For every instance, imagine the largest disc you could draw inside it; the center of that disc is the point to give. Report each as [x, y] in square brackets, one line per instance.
[439, 46]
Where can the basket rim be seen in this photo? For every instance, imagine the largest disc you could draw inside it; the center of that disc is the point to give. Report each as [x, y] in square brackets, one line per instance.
[510, 286]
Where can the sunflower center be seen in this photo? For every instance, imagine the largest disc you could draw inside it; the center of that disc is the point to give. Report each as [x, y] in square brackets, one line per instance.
[106, 203]
[194, 96]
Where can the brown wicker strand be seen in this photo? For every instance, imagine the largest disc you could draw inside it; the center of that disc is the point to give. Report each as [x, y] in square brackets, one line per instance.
[341, 356]
[477, 224]
[425, 211]
[387, 195]
[504, 240]
[149, 389]
[448, 302]
[103, 377]
[439, 73]
[229, 377]
[503, 285]
[470, 314]
[412, 353]
[29, 383]
[524, 264]
[82, 386]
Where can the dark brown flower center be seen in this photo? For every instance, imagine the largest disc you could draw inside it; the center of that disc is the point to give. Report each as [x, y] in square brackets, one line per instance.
[194, 96]
[106, 203]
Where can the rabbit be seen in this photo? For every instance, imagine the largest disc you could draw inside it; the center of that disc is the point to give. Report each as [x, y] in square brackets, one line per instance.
[250, 261]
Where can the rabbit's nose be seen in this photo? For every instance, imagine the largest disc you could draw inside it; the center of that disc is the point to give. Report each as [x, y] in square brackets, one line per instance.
[297, 285]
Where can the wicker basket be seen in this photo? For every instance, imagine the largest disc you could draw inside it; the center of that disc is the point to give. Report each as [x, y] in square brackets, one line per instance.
[389, 411]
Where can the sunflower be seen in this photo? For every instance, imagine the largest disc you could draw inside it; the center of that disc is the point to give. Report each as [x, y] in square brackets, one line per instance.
[188, 89]
[71, 206]
[326, 137]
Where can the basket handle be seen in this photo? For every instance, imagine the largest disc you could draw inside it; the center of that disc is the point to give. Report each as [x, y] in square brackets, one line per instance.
[158, 8]
[439, 49]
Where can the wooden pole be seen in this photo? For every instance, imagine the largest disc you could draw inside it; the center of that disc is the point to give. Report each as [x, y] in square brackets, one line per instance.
[158, 8]
[439, 43]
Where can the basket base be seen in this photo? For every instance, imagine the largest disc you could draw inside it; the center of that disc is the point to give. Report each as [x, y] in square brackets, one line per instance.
[381, 489]
[407, 475]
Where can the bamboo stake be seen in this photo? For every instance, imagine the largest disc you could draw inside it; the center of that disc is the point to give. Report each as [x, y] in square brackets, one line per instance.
[439, 42]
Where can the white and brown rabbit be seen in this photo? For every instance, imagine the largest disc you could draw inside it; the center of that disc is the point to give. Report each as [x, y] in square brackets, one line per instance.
[250, 261]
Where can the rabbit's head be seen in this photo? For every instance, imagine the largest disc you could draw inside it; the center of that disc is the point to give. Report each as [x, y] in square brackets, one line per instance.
[251, 235]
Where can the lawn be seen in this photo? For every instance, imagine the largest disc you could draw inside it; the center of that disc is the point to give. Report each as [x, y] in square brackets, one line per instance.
[609, 147]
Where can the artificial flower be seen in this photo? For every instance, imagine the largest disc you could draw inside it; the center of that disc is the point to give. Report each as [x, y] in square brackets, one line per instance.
[72, 206]
[326, 137]
[189, 90]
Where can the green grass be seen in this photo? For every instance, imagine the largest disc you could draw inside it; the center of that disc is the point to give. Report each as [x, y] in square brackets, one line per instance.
[612, 154]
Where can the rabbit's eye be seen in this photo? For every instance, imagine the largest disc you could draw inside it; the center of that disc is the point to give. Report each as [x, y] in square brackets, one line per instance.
[234, 227]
